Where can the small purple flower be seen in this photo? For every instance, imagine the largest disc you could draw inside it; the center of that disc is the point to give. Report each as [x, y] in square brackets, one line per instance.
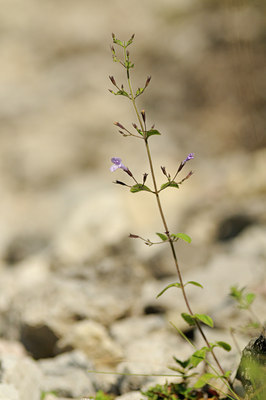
[189, 157]
[117, 163]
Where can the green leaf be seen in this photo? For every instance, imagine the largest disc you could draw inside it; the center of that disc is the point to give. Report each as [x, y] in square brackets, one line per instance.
[119, 42]
[193, 283]
[250, 297]
[162, 236]
[224, 345]
[152, 132]
[169, 184]
[205, 319]
[128, 64]
[140, 132]
[182, 236]
[130, 41]
[122, 93]
[198, 356]
[139, 187]
[167, 287]
[139, 92]
[188, 318]
[205, 378]
[183, 364]
[227, 374]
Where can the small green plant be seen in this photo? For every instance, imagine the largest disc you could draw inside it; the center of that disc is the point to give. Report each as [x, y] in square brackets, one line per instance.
[44, 394]
[174, 391]
[100, 395]
[244, 301]
[171, 181]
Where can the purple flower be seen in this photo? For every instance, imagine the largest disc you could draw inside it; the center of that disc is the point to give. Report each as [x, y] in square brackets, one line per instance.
[117, 163]
[189, 157]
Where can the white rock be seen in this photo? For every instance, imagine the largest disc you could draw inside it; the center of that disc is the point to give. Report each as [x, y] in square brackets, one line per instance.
[133, 328]
[23, 374]
[152, 354]
[8, 392]
[93, 339]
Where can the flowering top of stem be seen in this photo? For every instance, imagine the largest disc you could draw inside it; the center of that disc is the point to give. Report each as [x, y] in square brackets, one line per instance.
[189, 157]
[117, 163]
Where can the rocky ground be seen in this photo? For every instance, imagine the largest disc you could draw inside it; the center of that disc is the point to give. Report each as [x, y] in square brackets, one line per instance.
[76, 294]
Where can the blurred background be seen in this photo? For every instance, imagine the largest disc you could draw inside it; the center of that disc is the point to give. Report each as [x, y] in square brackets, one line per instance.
[66, 260]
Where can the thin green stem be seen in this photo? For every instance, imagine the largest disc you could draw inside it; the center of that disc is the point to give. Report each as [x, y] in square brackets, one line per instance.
[158, 200]
[175, 256]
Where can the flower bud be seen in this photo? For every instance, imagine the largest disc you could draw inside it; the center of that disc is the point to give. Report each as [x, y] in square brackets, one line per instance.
[144, 177]
[189, 175]
[143, 115]
[128, 172]
[131, 235]
[147, 81]
[119, 125]
[112, 79]
[120, 183]
[164, 171]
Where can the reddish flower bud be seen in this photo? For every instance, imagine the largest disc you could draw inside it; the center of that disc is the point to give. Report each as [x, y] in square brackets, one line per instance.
[189, 175]
[143, 115]
[112, 79]
[131, 235]
[164, 171]
[119, 125]
[144, 177]
[120, 183]
[147, 81]
[128, 172]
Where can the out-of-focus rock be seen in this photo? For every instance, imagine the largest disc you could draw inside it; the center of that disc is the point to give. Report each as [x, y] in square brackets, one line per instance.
[134, 395]
[151, 354]
[8, 392]
[67, 375]
[21, 375]
[93, 339]
[136, 327]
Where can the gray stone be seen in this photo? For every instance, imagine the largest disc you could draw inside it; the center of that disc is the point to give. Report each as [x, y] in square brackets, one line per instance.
[67, 375]
[133, 328]
[23, 375]
[93, 339]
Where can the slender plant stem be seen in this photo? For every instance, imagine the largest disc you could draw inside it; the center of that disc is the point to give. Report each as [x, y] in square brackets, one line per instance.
[156, 192]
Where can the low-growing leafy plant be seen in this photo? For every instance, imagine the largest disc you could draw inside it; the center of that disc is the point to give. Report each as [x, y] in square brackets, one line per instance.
[175, 391]
[101, 395]
[244, 301]
[145, 133]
